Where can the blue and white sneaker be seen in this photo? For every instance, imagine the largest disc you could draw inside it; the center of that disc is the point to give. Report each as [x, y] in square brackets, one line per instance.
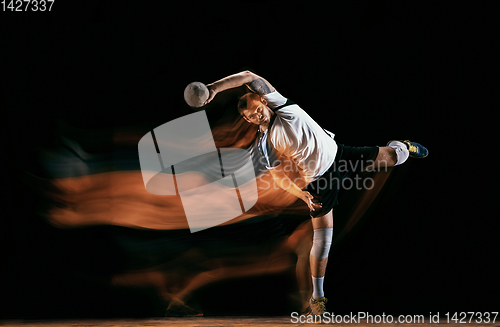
[416, 150]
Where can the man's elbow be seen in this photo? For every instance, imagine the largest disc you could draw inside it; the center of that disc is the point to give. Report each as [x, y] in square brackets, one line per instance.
[247, 73]
[248, 76]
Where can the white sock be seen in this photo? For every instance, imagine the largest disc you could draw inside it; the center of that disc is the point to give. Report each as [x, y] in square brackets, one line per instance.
[401, 151]
[318, 287]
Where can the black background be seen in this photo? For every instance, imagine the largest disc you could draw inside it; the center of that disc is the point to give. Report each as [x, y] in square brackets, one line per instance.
[370, 71]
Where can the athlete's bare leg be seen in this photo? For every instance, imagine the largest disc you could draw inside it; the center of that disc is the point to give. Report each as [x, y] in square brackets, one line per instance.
[386, 158]
[318, 266]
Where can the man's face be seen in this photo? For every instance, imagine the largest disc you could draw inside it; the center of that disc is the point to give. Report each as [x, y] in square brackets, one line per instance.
[258, 113]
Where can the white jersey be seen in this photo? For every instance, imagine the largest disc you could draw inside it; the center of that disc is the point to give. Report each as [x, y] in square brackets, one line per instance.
[294, 134]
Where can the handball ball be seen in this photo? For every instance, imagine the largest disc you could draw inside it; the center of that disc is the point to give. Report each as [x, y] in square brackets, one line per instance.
[195, 94]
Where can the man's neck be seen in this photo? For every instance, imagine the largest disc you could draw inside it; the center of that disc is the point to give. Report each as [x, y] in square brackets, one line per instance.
[263, 127]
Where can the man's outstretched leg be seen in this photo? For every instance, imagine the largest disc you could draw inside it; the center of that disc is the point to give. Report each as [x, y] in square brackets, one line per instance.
[396, 153]
[318, 258]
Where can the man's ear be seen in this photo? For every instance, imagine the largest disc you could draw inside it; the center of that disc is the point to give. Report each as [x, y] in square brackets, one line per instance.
[264, 102]
[245, 117]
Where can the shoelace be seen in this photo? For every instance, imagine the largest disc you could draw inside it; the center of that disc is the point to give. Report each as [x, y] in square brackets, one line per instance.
[411, 147]
[321, 304]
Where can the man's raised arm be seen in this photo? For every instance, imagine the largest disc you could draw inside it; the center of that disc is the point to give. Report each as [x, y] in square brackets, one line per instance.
[254, 82]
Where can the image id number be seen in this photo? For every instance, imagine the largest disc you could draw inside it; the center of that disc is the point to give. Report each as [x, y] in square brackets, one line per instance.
[27, 5]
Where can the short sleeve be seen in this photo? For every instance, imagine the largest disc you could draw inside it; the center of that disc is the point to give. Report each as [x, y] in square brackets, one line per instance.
[274, 99]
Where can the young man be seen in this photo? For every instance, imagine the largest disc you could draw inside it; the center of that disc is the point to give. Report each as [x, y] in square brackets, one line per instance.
[287, 130]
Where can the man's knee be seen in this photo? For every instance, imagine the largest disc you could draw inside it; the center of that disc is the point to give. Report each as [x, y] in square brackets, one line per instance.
[322, 240]
[323, 235]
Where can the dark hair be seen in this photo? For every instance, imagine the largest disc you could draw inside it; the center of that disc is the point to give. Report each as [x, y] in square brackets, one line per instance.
[243, 102]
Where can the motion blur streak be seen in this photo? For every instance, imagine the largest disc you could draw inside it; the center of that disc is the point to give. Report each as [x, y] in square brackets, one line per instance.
[119, 198]
[79, 189]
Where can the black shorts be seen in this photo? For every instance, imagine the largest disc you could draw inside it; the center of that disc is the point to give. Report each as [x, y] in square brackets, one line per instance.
[349, 161]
